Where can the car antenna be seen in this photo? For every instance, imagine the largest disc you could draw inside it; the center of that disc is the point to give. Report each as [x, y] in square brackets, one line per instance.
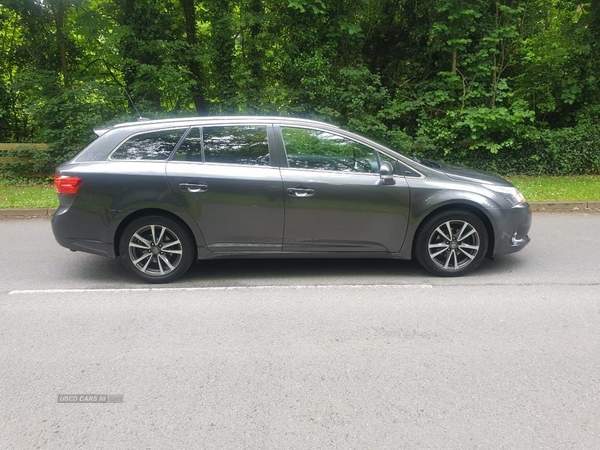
[133, 104]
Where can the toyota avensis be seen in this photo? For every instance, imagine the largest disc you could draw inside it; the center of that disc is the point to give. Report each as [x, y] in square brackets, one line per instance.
[161, 194]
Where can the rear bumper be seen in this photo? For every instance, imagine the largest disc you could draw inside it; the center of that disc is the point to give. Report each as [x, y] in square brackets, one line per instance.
[512, 231]
[73, 228]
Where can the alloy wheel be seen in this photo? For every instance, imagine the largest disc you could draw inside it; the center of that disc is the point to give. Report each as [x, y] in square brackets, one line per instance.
[453, 245]
[155, 250]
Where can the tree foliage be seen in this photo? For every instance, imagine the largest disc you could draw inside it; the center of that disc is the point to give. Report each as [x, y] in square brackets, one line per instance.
[467, 80]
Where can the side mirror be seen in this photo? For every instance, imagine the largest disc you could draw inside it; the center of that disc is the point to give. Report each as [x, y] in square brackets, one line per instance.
[386, 171]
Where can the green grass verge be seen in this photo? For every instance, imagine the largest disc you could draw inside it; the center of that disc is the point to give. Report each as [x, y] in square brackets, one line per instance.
[559, 189]
[28, 196]
[535, 189]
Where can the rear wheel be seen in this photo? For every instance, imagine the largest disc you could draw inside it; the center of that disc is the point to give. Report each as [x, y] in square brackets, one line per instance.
[156, 249]
[451, 243]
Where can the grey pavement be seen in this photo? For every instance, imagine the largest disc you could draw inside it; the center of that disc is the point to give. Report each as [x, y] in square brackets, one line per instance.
[304, 354]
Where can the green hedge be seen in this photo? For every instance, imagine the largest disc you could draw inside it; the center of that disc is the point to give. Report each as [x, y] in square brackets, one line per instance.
[566, 151]
[26, 163]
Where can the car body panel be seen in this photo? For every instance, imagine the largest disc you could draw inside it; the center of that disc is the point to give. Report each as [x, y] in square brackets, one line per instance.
[241, 209]
[112, 191]
[355, 211]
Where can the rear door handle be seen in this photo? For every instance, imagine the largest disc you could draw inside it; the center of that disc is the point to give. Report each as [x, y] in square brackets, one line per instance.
[193, 187]
[300, 192]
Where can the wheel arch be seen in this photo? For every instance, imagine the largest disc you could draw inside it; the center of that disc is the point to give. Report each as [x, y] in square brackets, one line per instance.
[464, 207]
[149, 212]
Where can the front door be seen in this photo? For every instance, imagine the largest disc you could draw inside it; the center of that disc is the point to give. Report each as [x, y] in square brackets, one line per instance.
[335, 199]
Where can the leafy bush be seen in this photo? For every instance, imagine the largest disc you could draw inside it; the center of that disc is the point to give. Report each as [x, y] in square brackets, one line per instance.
[565, 151]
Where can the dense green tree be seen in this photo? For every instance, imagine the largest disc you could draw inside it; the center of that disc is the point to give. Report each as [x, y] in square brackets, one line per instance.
[462, 78]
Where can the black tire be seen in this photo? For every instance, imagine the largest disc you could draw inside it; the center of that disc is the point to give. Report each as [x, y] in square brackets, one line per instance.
[156, 249]
[451, 243]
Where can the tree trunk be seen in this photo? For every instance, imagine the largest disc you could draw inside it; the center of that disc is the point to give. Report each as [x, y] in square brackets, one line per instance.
[454, 61]
[197, 89]
[60, 38]
[223, 46]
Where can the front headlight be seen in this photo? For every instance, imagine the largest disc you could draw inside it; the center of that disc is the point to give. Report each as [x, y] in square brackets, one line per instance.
[509, 193]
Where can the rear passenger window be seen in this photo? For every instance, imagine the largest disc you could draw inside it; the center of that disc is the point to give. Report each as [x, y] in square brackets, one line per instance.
[247, 145]
[191, 148]
[151, 146]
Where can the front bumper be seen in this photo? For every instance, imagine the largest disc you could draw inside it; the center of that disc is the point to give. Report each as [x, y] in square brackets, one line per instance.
[512, 230]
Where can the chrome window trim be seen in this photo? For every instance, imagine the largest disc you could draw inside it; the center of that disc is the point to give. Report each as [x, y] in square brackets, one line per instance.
[336, 172]
[220, 164]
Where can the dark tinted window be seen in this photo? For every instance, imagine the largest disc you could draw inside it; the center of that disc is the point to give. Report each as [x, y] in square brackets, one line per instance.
[191, 148]
[235, 144]
[313, 149]
[155, 145]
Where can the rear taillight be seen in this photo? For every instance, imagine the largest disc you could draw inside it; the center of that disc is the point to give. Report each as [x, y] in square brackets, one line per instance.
[65, 184]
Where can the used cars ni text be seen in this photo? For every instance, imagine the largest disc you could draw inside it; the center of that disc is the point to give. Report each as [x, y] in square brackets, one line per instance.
[160, 194]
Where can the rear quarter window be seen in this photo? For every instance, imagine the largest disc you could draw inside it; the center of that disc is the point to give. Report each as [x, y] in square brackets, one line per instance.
[149, 146]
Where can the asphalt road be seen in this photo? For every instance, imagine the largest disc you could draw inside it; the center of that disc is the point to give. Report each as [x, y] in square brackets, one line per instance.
[303, 354]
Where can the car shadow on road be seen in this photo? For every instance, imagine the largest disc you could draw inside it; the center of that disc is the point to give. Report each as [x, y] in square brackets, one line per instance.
[354, 270]
[96, 271]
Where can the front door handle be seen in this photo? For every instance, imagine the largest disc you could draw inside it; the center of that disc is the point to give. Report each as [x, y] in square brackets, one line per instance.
[193, 187]
[300, 192]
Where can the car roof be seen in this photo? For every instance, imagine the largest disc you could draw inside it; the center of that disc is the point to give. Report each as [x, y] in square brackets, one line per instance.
[207, 120]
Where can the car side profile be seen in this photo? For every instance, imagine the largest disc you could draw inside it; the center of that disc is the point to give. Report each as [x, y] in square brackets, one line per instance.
[160, 194]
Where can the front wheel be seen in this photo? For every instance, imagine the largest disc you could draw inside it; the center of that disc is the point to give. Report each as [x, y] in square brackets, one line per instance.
[451, 243]
[156, 249]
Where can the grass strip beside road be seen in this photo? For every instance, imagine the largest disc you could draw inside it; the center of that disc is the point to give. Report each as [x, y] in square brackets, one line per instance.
[559, 189]
[28, 196]
[535, 189]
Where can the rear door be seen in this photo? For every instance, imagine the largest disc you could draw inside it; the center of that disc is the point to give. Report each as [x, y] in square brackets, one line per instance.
[226, 178]
[335, 199]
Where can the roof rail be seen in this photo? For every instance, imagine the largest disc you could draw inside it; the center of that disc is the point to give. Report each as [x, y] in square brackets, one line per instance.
[208, 119]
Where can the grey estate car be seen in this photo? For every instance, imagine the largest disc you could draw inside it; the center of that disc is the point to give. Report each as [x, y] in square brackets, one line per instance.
[159, 194]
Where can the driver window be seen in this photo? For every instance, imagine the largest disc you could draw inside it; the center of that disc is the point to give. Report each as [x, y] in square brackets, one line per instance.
[320, 150]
